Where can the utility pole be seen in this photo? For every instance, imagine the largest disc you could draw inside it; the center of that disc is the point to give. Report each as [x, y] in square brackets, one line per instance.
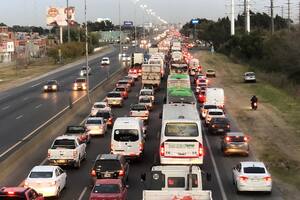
[289, 15]
[86, 54]
[120, 27]
[232, 32]
[135, 24]
[272, 17]
[247, 16]
[68, 21]
[282, 12]
[299, 16]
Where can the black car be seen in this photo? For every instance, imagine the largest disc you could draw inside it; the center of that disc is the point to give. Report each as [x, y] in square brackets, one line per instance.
[110, 166]
[219, 125]
[51, 86]
[107, 116]
[79, 131]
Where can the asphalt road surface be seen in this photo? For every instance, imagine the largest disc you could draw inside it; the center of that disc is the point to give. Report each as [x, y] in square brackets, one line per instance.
[78, 183]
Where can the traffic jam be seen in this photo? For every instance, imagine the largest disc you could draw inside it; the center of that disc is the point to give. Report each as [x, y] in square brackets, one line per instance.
[192, 106]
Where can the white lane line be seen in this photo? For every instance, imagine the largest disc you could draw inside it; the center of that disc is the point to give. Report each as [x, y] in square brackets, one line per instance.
[82, 193]
[224, 197]
[35, 85]
[44, 161]
[24, 99]
[38, 106]
[19, 117]
[6, 107]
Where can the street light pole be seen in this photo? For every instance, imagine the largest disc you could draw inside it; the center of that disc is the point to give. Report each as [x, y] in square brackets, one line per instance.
[120, 43]
[135, 24]
[86, 54]
[69, 38]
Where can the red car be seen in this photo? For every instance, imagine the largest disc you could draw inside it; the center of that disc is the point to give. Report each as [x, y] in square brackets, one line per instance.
[13, 193]
[201, 97]
[109, 189]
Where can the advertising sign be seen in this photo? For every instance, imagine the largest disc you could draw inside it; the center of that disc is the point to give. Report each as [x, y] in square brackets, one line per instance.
[60, 16]
[128, 23]
[195, 21]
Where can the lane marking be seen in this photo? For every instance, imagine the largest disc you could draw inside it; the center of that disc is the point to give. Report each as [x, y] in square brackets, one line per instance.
[24, 99]
[35, 85]
[38, 106]
[82, 193]
[224, 197]
[19, 117]
[6, 107]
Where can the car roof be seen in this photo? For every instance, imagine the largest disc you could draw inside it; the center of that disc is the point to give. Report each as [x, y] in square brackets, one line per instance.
[105, 58]
[108, 181]
[252, 164]
[44, 168]
[100, 103]
[95, 118]
[146, 90]
[114, 92]
[215, 110]
[126, 120]
[108, 157]
[72, 137]
[235, 134]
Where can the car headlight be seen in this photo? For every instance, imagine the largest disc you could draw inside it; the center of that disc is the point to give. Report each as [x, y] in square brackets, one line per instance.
[45, 87]
[81, 74]
[54, 87]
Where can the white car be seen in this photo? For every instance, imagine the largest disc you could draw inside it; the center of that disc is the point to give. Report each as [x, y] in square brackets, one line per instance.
[47, 180]
[98, 106]
[84, 70]
[213, 113]
[147, 101]
[252, 176]
[249, 77]
[95, 126]
[105, 61]
[147, 93]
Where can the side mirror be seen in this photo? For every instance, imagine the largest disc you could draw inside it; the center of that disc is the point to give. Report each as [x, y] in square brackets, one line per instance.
[143, 177]
[208, 176]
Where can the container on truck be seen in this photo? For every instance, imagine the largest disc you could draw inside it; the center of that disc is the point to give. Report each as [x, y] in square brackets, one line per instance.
[215, 96]
[151, 74]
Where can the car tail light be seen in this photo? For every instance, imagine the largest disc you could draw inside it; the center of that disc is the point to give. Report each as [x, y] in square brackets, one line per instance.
[162, 149]
[93, 172]
[243, 178]
[141, 146]
[130, 113]
[10, 192]
[267, 178]
[246, 139]
[198, 81]
[147, 112]
[110, 119]
[214, 126]
[26, 184]
[140, 70]
[200, 150]
[228, 126]
[227, 139]
[52, 183]
[121, 173]
[134, 71]
[49, 154]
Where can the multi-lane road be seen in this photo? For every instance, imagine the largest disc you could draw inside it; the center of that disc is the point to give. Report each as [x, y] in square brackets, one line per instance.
[26, 107]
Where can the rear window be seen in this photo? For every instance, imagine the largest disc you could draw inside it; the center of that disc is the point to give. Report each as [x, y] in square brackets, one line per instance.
[215, 113]
[107, 165]
[114, 94]
[64, 143]
[145, 100]
[41, 175]
[176, 182]
[220, 120]
[123, 82]
[146, 93]
[75, 129]
[51, 83]
[138, 107]
[126, 135]
[106, 188]
[94, 121]
[254, 170]
[120, 89]
[99, 106]
[181, 130]
[210, 106]
[237, 139]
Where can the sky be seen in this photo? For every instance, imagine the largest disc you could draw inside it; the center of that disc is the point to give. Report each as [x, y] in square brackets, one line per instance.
[32, 12]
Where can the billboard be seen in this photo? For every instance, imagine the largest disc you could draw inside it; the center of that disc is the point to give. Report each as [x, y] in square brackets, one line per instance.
[195, 21]
[128, 23]
[60, 16]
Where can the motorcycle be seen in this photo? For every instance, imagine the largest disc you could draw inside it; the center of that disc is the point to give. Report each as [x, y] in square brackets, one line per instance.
[254, 105]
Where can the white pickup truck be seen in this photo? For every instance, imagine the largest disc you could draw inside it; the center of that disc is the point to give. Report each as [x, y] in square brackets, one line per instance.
[175, 182]
[67, 150]
[151, 74]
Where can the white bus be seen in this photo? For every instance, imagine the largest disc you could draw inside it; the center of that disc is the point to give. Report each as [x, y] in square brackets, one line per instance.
[181, 139]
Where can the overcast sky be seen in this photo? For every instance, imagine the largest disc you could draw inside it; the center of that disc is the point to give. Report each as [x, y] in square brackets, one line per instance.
[32, 12]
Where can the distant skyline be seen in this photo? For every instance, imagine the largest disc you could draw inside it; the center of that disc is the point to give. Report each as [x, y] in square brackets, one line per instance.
[32, 12]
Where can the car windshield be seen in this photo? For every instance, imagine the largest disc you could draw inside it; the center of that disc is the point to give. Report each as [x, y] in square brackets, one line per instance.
[105, 115]
[99, 106]
[145, 100]
[84, 68]
[250, 74]
[138, 107]
[146, 93]
[51, 83]
[181, 130]
[210, 106]
[94, 121]
[107, 165]
[254, 170]
[75, 129]
[41, 175]
[215, 113]
[126, 135]
[120, 89]
[64, 143]
[123, 82]
[104, 59]
[115, 94]
[106, 188]
[80, 80]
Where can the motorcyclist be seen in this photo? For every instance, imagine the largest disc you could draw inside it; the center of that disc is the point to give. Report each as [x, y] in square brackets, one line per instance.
[253, 100]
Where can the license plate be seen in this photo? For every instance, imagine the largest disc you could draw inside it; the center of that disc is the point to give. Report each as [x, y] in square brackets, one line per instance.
[61, 161]
[107, 175]
[220, 129]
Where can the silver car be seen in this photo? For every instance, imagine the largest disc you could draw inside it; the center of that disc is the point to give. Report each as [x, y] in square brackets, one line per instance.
[95, 126]
[114, 99]
[235, 143]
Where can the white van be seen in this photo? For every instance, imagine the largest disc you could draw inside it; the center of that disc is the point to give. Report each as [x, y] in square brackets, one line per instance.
[128, 137]
[181, 139]
[215, 96]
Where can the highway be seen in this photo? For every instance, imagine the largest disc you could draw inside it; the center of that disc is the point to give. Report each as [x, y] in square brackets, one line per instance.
[27, 103]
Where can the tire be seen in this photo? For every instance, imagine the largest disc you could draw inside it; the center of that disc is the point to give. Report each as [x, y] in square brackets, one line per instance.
[58, 193]
[237, 190]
